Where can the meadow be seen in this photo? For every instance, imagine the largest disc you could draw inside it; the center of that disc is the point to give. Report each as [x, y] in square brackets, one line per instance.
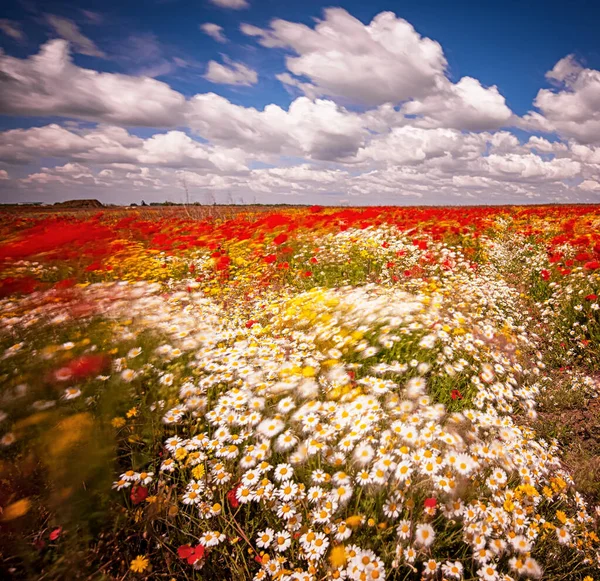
[300, 394]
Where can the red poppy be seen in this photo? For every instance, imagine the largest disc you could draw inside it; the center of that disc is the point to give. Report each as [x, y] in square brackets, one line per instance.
[250, 323]
[55, 533]
[280, 239]
[591, 297]
[84, 366]
[545, 274]
[138, 494]
[270, 258]
[23, 285]
[455, 394]
[223, 263]
[592, 265]
[66, 283]
[307, 274]
[430, 503]
[232, 498]
[191, 554]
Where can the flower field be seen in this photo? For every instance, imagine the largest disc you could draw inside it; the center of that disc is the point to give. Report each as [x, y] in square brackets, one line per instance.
[300, 394]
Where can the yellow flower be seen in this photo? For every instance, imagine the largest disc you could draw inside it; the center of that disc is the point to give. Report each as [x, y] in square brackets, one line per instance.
[198, 471]
[180, 453]
[309, 371]
[118, 422]
[354, 521]
[16, 509]
[561, 516]
[132, 413]
[508, 505]
[337, 557]
[139, 564]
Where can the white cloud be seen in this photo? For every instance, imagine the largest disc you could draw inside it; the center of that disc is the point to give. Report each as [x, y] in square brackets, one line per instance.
[414, 145]
[316, 129]
[232, 4]
[110, 145]
[590, 186]
[93, 17]
[386, 61]
[12, 29]
[214, 31]
[573, 110]
[231, 73]
[528, 167]
[464, 105]
[542, 145]
[421, 138]
[68, 30]
[49, 84]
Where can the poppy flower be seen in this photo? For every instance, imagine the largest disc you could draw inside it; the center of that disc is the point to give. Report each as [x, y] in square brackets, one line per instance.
[430, 503]
[545, 274]
[455, 394]
[138, 494]
[280, 239]
[591, 297]
[191, 554]
[55, 533]
[592, 265]
[232, 498]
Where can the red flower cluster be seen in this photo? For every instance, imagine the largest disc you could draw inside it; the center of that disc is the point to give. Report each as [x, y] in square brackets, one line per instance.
[191, 554]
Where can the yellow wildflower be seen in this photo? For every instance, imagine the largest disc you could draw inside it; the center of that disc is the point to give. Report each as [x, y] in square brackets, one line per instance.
[139, 564]
[198, 471]
[118, 422]
[337, 557]
[561, 516]
[16, 509]
[354, 520]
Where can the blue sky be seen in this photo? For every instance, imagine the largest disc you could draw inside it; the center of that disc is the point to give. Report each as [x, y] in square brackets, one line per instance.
[352, 102]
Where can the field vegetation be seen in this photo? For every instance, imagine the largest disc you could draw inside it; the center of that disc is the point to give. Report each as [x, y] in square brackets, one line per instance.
[300, 393]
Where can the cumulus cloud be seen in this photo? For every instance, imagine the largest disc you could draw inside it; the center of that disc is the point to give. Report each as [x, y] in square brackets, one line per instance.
[12, 29]
[414, 145]
[110, 145]
[214, 31]
[590, 186]
[49, 84]
[573, 109]
[386, 61]
[67, 29]
[317, 129]
[464, 105]
[421, 138]
[230, 73]
[232, 4]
